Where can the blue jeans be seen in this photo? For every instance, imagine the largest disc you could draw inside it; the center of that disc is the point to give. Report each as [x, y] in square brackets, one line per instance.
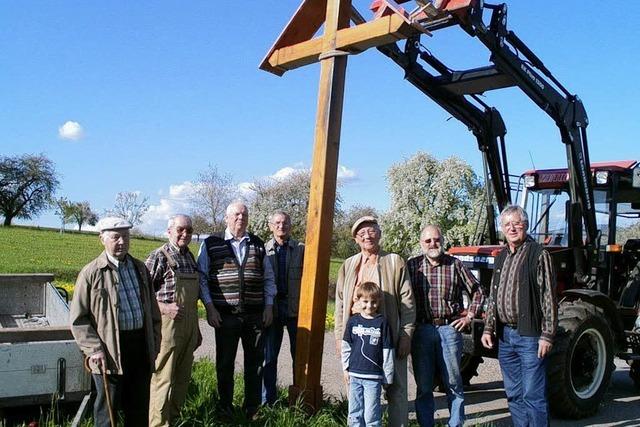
[437, 349]
[524, 379]
[272, 343]
[364, 402]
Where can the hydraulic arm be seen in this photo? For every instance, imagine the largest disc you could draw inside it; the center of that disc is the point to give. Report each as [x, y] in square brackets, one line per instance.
[513, 64]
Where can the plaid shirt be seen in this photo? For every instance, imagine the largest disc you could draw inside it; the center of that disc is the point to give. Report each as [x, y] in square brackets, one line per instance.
[130, 314]
[438, 289]
[162, 277]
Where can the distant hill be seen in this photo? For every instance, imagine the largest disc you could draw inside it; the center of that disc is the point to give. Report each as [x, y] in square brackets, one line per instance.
[32, 250]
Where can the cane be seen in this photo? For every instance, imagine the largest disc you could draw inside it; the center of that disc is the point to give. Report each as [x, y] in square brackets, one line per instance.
[106, 390]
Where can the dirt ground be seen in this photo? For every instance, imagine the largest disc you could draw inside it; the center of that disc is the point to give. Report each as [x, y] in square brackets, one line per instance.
[485, 401]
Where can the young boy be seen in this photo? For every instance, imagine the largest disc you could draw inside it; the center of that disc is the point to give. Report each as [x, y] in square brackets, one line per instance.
[367, 357]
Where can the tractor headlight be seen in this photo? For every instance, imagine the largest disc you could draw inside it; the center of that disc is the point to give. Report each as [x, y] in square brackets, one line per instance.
[529, 181]
[602, 177]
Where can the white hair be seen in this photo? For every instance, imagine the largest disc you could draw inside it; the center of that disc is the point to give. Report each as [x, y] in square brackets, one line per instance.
[235, 203]
[173, 218]
[515, 209]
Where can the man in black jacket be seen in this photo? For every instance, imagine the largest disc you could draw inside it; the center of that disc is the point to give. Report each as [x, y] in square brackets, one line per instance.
[522, 313]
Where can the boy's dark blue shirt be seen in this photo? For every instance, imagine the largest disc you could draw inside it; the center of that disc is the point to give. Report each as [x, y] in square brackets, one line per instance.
[367, 348]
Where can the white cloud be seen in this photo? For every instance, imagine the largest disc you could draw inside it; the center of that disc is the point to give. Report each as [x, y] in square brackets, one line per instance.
[245, 190]
[285, 172]
[71, 130]
[176, 201]
[345, 174]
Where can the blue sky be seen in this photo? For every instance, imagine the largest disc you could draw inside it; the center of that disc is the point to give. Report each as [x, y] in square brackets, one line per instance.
[161, 89]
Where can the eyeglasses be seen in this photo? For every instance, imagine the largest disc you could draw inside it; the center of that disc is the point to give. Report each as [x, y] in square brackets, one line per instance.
[367, 232]
[515, 224]
[434, 240]
[181, 230]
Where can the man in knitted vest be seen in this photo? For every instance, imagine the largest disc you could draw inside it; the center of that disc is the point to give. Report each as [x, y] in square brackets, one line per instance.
[237, 288]
[522, 313]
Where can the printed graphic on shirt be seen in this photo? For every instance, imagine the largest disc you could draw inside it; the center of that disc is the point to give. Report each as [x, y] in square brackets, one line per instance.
[373, 333]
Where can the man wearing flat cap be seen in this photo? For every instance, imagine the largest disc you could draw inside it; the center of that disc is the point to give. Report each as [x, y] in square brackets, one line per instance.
[387, 270]
[116, 322]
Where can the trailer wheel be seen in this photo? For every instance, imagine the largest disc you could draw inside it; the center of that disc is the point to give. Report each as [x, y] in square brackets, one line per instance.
[581, 362]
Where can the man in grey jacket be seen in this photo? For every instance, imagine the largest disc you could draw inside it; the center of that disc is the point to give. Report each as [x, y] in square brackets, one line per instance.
[116, 322]
[286, 256]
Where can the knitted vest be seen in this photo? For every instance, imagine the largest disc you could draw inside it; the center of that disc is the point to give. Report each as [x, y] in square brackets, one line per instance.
[233, 284]
[529, 306]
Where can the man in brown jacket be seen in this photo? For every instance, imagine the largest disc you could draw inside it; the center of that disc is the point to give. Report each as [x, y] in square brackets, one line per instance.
[116, 322]
[388, 271]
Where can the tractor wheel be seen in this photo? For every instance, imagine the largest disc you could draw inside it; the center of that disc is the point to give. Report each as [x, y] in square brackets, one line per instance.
[469, 367]
[634, 373]
[581, 362]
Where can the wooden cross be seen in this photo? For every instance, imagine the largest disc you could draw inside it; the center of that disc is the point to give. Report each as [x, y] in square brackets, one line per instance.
[294, 48]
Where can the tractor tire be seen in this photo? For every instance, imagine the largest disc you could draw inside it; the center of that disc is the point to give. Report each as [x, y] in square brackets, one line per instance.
[634, 373]
[469, 367]
[580, 365]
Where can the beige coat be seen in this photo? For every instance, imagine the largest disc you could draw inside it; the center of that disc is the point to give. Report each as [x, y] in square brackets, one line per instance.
[94, 312]
[398, 305]
[293, 276]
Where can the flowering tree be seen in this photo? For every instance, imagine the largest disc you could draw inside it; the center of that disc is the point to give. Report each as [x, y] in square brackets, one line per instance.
[423, 191]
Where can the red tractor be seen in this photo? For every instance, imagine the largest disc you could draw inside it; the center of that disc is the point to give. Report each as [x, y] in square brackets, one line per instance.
[576, 211]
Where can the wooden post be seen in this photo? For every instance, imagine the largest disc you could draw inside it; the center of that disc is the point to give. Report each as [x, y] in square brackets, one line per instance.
[313, 298]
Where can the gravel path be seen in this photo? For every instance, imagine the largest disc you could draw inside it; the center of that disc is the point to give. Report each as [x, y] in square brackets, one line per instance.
[485, 401]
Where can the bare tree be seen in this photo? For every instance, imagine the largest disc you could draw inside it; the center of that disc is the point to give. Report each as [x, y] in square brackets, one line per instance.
[200, 226]
[213, 192]
[130, 205]
[290, 194]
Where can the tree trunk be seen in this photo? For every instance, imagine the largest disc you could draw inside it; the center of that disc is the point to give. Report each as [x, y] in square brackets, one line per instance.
[7, 220]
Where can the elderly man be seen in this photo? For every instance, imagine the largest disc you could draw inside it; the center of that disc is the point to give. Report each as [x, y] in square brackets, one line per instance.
[522, 313]
[237, 288]
[116, 322]
[388, 271]
[174, 276]
[439, 281]
[286, 256]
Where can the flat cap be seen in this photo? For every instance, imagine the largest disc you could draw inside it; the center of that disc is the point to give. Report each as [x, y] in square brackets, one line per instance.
[367, 219]
[113, 223]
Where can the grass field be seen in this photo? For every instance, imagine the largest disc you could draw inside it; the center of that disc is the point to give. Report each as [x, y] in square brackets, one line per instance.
[29, 250]
[32, 250]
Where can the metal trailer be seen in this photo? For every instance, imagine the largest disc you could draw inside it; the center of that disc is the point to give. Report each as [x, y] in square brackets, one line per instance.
[39, 359]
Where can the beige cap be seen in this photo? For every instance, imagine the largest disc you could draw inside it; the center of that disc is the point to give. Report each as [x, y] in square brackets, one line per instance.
[367, 219]
[113, 223]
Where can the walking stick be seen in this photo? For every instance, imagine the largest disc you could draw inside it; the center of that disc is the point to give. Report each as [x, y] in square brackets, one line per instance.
[112, 419]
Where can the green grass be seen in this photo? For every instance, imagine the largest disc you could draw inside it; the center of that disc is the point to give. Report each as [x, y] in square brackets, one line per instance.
[27, 250]
[31, 250]
[34, 250]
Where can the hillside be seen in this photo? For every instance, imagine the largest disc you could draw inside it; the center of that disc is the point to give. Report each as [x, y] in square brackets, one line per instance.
[30, 250]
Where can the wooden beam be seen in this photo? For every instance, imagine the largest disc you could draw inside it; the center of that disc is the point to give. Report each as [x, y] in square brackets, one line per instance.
[378, 32]
[315, 278]
[303, 25]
